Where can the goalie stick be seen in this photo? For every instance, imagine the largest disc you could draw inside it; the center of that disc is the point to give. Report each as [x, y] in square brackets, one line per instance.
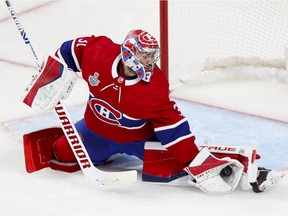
[75, 142]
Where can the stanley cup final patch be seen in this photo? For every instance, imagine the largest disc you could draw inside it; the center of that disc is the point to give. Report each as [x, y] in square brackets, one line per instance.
[93, 80]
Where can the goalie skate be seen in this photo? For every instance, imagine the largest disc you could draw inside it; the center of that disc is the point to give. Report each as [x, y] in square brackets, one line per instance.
[266, 179]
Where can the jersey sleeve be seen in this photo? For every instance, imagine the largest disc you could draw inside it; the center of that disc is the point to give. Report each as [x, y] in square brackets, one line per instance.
[72, 52]
[171, 126]
[173, 131]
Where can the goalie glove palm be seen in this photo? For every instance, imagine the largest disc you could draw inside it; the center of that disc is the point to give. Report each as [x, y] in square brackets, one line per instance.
[52, 84]
[213, 175]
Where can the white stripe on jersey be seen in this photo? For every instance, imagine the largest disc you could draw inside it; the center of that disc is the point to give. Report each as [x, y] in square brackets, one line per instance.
[178, 140]
[167, 127]
[74, 56]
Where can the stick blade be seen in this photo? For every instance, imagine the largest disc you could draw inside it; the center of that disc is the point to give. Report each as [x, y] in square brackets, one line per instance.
[110, 178]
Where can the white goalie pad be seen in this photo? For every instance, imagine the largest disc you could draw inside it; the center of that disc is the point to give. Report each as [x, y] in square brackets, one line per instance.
[213, 175]
[251, 170]
[52, 84]
[245, 155]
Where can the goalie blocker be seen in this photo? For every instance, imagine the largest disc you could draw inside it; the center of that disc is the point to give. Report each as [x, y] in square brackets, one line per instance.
[52, 84]
[216, 169]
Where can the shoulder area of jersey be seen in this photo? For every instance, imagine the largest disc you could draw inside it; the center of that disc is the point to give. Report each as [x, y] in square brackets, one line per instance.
[90, 40]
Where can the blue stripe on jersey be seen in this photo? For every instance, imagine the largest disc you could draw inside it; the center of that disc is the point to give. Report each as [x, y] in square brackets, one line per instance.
[66, 52]
[130, 124]
[171, 134]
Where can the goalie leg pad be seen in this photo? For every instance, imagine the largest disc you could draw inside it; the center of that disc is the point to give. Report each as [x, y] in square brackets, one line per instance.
[256, 178]
[64, 166]
[38, 151]
[38, 148]
[245, 155]
[159, 165]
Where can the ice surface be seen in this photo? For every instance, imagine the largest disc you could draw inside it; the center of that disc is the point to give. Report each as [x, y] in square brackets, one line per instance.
[49, 192]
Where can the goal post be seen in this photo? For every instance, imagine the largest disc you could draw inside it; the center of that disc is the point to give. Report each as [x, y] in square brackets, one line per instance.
[200, 38]
[163, 6]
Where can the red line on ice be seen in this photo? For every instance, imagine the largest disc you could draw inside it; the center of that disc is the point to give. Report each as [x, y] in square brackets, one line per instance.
[28, 10]
[235, 111]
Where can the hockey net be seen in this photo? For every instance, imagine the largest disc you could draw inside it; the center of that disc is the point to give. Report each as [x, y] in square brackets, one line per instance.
[212, 40]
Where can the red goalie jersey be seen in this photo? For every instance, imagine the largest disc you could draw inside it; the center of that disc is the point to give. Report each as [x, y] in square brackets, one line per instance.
[122, 109]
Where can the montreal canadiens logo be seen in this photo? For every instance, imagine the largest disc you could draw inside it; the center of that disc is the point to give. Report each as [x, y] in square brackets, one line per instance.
[148, 39]
[105, 112]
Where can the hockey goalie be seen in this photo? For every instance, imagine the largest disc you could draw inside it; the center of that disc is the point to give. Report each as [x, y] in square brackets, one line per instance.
[129, 112]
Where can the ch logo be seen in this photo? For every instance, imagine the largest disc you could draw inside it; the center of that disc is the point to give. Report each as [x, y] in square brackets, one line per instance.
[148, 39]
[105, 112]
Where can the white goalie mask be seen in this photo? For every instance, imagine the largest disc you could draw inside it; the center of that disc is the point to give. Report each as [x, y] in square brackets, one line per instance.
[140, 51]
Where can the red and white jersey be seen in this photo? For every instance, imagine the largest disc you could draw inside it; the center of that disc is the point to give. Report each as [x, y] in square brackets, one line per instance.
[123, 109]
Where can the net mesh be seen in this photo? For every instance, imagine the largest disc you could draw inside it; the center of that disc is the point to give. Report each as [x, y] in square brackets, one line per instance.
[208, 36]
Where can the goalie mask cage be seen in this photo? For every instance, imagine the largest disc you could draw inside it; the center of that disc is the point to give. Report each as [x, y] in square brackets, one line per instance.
[200, 39]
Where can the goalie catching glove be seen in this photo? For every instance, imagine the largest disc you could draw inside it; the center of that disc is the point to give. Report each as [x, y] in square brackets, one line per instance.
[52, 84]
[213, 175]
